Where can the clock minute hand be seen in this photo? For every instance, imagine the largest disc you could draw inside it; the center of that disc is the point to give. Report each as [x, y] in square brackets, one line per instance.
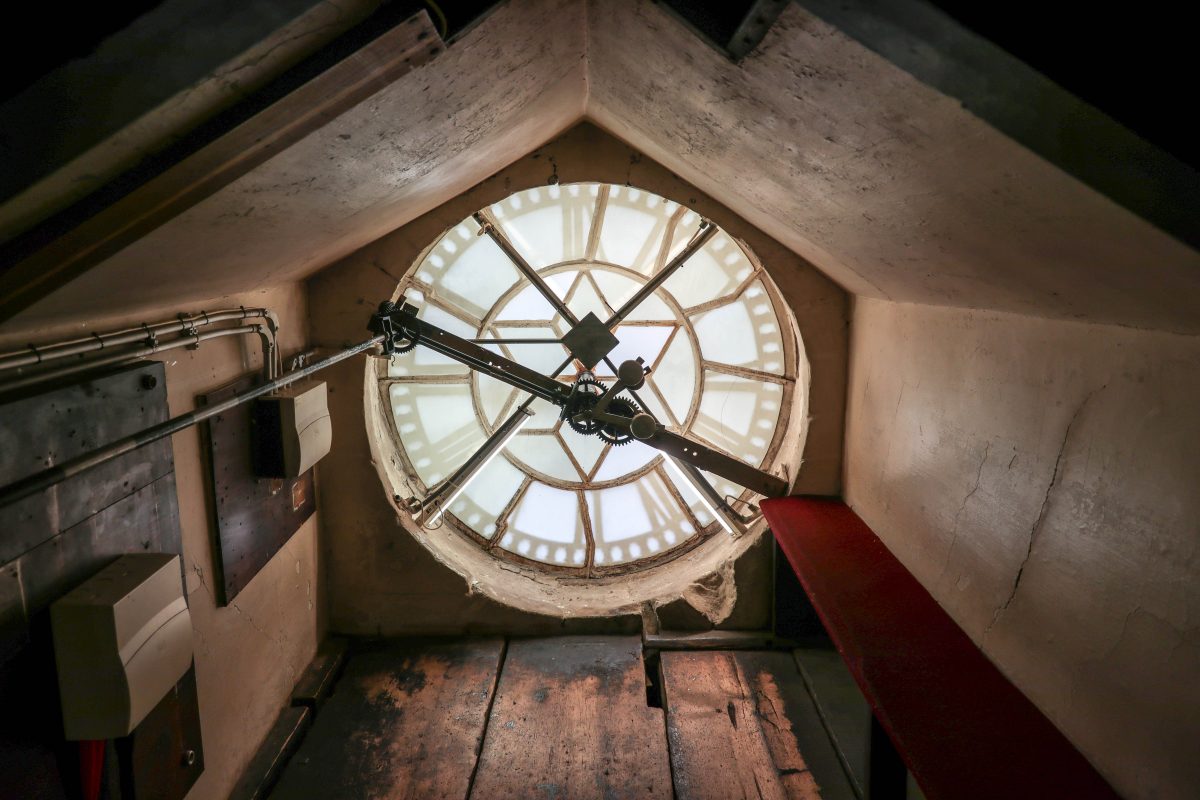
[644, 428]
[402, 330]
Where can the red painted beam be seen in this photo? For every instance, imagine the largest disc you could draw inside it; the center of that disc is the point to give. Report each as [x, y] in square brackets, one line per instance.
[961, 727]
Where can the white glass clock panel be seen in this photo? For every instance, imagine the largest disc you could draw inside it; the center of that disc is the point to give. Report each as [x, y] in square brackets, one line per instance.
[711, 335]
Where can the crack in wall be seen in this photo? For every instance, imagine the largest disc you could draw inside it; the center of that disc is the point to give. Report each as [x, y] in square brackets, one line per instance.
[1055, 478]
[963, 507]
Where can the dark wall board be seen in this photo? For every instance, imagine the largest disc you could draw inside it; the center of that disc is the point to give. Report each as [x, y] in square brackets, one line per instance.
[51, 542]
[145, 521]
[40, 430]
[255, 517]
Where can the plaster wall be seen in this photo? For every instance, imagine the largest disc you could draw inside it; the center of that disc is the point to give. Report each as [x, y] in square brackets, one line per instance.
[380, 579]
[1040, 479]
[890, 187]
[248, 655]
[514, 80]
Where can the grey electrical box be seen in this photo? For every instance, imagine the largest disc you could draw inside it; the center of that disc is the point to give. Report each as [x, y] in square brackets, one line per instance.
[292, 430]
[122, 640]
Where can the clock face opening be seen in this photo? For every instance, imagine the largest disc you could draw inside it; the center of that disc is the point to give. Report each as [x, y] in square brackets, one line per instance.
[727, 369]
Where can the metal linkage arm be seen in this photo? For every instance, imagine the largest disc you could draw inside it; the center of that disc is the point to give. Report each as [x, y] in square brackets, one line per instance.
[402, 324]
[646, 430]
[403, 330]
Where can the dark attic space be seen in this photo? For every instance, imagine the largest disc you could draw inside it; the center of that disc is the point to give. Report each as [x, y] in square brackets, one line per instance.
[598, 399]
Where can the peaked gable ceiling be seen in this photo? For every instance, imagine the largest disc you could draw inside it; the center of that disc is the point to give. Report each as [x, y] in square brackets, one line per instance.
[888, 186]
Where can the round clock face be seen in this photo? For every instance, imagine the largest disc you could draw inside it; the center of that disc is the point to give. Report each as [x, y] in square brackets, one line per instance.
[724, 360]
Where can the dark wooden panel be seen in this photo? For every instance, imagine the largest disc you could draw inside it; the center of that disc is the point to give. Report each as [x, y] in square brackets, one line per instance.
[404, 721]
[145, 521]
[726, 741]
[46, 428]
[14, 623]
[35, 762]
[164, 755]
[255, 517]
[273, 754]
[32, 749]
[570, 720]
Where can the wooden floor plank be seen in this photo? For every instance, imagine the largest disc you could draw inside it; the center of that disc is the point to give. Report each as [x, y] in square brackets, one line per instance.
[730, 729]
[846, 713]
[793, 721]
[404, 721]
[570, 720]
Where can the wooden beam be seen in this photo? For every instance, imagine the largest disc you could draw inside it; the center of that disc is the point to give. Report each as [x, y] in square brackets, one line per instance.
[36, 264]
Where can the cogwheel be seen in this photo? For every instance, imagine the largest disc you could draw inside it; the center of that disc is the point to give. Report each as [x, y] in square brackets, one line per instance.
[404, 344]
[586, 394]
[611, 433]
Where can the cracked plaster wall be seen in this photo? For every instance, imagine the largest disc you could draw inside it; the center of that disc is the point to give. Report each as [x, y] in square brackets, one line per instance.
[248, 655]
[888, 186]
[64, 144]
[514, 81]
[1040, 479]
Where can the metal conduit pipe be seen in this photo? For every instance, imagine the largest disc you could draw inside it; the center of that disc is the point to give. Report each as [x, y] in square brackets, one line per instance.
[82, 463]
[33, 355]
[192, 340]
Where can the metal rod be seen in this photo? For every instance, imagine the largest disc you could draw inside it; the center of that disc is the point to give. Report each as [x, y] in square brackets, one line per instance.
[493, 230]
[188, 341]
[33, 355]
[72, 467]
[473, 465]
[515, 341]
[481, 359]
[706, 231]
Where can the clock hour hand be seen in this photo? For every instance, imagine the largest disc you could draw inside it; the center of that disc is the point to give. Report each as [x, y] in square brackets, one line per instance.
[403, 330]
[644, 428]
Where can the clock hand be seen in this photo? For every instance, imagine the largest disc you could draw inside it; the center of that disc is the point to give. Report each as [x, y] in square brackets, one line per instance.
[700, 238]
[645, 428]
[402, 329]
[489, 226]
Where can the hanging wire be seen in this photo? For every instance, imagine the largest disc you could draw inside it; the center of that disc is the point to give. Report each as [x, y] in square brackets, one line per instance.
[443, 26]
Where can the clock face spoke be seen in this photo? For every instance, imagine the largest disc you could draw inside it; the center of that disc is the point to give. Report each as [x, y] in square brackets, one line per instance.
[706, 232]
[670, 289]
[490, 227]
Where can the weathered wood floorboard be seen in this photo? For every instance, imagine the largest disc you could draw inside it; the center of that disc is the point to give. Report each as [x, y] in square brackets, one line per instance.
[730, 723]
[404, 721]
[570, 720]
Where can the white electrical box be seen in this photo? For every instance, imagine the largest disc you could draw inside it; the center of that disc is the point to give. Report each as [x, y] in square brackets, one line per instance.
[122, 640]
[292, 430]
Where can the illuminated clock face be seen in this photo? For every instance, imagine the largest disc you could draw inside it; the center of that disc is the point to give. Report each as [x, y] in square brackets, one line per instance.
[723, 354]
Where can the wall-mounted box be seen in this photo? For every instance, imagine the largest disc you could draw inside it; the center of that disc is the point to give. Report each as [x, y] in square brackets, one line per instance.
[122, 640]
[292, 430]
